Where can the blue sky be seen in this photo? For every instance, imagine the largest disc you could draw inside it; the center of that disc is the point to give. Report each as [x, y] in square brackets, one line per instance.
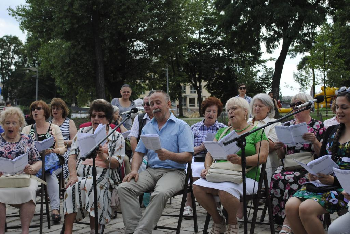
[9, 26]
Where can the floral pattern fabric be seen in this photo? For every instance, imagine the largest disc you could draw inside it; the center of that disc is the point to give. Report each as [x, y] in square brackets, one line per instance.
[332, 201]
[284, 184]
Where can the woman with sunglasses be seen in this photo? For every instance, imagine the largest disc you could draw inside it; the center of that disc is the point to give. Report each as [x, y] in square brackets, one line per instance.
[125, 104]
[304, 208]
[59, 113]
[40, 131]
[79, 196]
[285, 183]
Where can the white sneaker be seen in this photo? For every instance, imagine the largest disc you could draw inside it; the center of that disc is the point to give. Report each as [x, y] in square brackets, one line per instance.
[188, 211]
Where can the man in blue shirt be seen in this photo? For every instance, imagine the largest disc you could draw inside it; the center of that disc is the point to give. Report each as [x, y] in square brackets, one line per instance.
[165, 174]
[242, 92]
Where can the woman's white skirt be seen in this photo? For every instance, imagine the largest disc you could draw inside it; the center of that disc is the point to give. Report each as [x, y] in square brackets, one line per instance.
[19, 195]
[235, 190]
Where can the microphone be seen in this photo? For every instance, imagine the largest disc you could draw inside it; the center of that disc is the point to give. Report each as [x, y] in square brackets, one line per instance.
[133, 110]
[318, 99]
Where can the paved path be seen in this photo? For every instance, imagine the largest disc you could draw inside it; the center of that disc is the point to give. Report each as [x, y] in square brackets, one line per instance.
[116, 225]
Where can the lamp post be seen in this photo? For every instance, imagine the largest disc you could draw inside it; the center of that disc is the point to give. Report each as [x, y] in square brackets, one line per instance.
[167, 80]
[36, 81]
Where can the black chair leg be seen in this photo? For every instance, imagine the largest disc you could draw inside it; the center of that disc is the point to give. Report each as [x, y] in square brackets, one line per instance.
[206, 224]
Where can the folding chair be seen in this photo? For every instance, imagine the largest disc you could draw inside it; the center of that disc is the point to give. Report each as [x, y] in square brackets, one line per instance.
[43, 193]
[263, 193]
[188, 188]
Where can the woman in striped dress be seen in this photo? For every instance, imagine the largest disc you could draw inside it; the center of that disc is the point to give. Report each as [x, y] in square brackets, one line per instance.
[79, 196]
[59, 113]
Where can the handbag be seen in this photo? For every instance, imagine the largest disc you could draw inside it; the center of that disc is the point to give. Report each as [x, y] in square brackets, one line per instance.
[225, 171]
[314, 189]
[18, 181]
[291, 165]
[15, 181]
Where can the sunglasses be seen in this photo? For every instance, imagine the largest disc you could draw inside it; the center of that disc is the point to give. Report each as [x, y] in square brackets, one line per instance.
[296, 104]
[343, 90]
[97, 115]
[37, 108]
[242, 88]
[146, 104]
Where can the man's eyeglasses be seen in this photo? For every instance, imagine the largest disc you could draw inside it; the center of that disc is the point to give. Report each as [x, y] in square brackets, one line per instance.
[146, 104]
[36, 108]
[296, 104]
[242, 88]
[343, 90]
[97, 115]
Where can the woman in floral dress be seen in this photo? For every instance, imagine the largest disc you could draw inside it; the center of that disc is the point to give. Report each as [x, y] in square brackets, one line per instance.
[285, 183]
[304, 208]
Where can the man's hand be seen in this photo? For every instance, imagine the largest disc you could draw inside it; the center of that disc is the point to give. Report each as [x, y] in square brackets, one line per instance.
[163, 154]
[131, 175]
[71, 181]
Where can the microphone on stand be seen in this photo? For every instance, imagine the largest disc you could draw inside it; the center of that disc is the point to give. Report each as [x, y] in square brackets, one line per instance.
[133, 110]
[318, 99]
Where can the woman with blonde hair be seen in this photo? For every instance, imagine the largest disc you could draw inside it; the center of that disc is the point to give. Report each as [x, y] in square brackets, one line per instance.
[256, 151]
[12, 145]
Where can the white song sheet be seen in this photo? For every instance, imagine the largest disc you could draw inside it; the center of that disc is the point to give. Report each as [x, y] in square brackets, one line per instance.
[343, 177]
[323, 165]
[218, 150]
[14, 166]
[292, 135]
[45, 144]
[125, 134]
[151, 141]
[87, 141]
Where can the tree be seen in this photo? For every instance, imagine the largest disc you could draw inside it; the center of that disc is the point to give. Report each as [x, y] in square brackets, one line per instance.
[11, 56]
[288, 22]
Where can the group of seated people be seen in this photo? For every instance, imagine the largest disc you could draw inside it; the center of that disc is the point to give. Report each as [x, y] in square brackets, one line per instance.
[295, 208]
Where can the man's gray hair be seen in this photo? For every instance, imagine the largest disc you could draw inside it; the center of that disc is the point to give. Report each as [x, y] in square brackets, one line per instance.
[266, 100]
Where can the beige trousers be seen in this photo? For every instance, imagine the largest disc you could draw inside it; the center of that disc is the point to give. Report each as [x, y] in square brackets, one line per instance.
[163, 182]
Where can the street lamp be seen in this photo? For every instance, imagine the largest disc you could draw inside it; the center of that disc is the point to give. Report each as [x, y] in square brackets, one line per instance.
[36, 81]
[167, 79]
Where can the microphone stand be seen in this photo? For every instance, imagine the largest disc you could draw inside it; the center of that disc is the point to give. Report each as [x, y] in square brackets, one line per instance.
[241, 142]
[92, 154]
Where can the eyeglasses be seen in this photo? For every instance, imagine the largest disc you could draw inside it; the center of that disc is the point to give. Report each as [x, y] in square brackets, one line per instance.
[242, 88]
[97, 115]
[343, 90]
[9, 123]
[147, 104]
[36, 108]
[296, 104]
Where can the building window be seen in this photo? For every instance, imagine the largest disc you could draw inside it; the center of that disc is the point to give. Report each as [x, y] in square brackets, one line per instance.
[192, 90]
[183, 89]
[192, 102]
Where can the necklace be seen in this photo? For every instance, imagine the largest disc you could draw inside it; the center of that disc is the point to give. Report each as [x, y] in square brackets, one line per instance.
[243, 128]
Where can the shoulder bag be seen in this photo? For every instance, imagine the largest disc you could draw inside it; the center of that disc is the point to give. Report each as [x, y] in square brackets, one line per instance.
[291, 165]
[18, 181]
[225, 171]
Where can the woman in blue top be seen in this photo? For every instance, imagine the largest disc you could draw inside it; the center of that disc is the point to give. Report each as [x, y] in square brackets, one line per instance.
[305, 207]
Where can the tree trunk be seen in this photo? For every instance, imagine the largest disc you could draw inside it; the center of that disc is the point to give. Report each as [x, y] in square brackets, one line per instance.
[100, 86]
[279, 64]
[313, 88]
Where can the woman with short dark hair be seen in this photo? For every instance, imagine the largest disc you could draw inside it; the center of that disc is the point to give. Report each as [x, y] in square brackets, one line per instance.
[59, 113]
[79, 197]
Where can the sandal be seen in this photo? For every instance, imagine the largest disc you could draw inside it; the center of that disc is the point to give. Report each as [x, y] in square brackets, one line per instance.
[282, 231]
[218, 228]
[56, 218]
[232, 229]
